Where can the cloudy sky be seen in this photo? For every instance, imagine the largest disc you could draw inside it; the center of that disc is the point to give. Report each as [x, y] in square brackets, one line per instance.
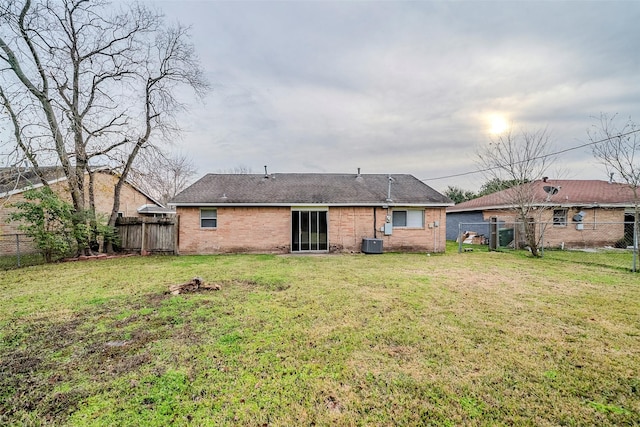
[403, 87]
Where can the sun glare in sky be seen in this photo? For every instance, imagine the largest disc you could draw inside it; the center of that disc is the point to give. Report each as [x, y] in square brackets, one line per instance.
[497, 124]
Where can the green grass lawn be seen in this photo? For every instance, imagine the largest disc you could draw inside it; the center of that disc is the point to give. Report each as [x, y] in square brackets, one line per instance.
[394, 339]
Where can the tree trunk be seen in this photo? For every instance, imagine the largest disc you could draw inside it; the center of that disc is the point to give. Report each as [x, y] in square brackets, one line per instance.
[530, 234]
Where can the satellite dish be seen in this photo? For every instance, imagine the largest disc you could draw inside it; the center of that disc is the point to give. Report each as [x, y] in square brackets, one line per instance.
[550, 190]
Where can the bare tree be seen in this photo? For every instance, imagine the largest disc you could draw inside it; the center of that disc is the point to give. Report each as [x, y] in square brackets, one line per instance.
[520, 159]
[94, 83]
[162, 176]
[616, 144]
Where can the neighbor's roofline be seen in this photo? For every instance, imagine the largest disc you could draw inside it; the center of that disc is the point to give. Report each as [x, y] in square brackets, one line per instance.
[38, 185]
[64, 178]
[544, 205]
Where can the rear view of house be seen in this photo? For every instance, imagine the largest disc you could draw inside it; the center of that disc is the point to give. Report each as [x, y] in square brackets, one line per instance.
[289, 212]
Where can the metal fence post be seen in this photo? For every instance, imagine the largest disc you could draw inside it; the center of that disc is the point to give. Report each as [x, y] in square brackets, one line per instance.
[635, 245]
[459, 238]
[18, 248]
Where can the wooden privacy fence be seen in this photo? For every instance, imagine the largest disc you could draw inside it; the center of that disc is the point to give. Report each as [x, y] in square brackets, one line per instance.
[148, 235]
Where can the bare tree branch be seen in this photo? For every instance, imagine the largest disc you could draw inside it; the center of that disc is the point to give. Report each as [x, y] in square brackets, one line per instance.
[617, 147]
[104, 84]
[521, 159]
[25, 148]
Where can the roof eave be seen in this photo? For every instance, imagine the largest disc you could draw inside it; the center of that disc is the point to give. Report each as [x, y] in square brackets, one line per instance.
[37, 185]
[64, 178]
[587, 205]
[290, 204]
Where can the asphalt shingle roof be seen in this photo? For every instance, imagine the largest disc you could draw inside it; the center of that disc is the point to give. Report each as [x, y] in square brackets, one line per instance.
[12, 179]
[308, 188]
[570, 193]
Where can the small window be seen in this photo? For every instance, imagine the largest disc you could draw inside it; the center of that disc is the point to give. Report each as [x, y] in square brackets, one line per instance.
[120, 215]
[560, 217]
[409, 218]
[399, 218]
[208, 218]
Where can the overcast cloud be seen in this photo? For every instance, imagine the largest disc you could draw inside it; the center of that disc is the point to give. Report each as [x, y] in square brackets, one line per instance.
[403, 87]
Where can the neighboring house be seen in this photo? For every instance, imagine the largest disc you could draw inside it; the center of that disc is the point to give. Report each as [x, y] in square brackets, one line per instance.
[156, 211]
[14, 183]
[309, 212]
[575, 213]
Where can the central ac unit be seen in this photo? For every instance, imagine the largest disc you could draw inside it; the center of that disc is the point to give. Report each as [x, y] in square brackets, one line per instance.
[372, 246]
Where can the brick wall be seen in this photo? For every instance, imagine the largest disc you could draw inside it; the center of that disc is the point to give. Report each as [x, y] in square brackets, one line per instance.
[130, 201]
[239, 229]
[130, 198]
[268, 229]
[600, 227]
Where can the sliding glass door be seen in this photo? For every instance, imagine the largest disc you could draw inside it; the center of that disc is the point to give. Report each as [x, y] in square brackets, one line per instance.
[308, 231]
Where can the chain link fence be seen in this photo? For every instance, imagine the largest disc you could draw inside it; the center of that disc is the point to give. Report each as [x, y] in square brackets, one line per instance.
[584, 236]
[18, 250]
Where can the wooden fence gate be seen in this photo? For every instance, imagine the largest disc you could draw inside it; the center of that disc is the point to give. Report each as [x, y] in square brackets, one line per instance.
[148, 235]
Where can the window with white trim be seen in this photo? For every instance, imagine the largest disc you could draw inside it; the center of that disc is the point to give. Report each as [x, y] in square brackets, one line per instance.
[560, 217]
[408, 218]
[208, 218]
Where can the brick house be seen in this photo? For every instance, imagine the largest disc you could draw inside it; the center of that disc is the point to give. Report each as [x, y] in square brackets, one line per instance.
[289, 212]
[14, 184]
[575, 213]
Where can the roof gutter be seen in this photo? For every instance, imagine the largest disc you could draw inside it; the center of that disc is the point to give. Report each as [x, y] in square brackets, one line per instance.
[376, 204]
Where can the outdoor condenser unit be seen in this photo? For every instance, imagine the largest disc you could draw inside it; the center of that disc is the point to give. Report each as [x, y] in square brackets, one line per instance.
[372, 246]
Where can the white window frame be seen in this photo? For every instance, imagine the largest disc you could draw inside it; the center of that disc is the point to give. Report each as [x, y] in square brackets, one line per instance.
[215, 218]
[414, 218]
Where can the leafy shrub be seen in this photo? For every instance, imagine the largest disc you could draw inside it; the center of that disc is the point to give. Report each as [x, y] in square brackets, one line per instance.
[55, 226]
[47, 219]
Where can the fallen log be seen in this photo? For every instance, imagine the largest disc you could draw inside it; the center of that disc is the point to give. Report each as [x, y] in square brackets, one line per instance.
[193, 285]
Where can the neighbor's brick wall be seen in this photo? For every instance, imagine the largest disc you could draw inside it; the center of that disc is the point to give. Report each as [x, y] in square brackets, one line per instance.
[268, 229]
[7, 228]
[130, 201]
[130, 198]
[602, 227]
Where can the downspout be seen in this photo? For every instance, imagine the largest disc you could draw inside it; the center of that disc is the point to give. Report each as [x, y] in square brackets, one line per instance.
[375, 224]
[438, 227]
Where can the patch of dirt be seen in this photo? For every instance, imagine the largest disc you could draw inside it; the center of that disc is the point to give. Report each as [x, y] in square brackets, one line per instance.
[332, 404]
[39, 356]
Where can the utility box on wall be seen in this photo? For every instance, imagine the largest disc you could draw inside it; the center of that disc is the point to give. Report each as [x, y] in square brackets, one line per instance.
[388, 229]
[372, 246]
